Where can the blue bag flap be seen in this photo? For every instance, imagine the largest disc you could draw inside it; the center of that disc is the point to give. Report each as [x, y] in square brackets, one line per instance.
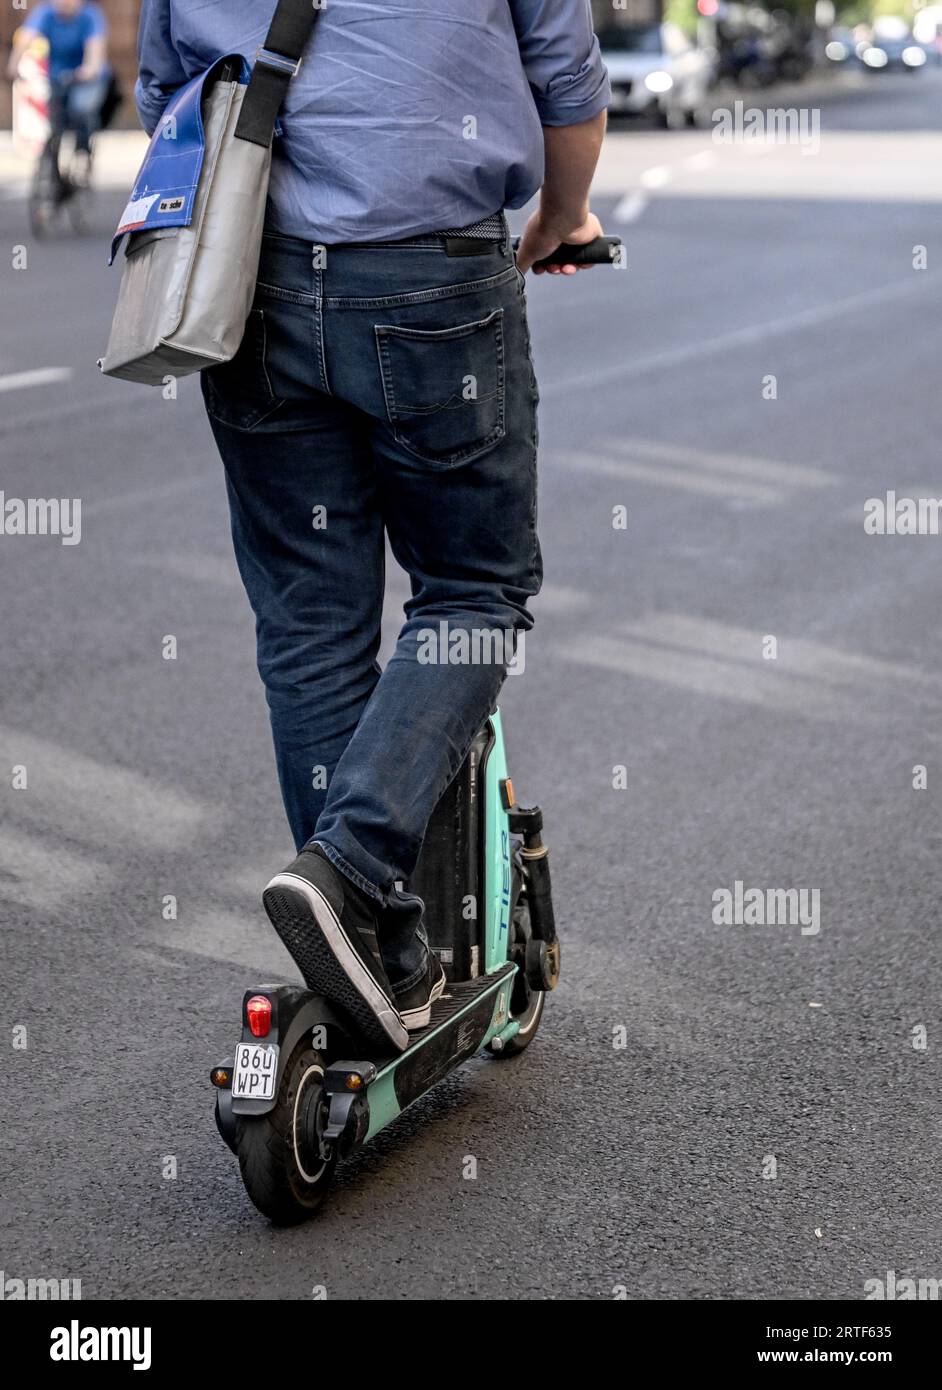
[165, 188]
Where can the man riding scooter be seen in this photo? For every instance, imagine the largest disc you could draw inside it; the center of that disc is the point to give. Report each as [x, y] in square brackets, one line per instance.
[384, 388]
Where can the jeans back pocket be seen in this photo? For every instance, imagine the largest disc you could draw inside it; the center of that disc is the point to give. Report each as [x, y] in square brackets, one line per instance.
[444, 388]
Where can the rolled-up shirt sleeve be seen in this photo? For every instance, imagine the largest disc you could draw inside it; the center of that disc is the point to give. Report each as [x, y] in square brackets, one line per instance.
[561, 58]
[161, 72]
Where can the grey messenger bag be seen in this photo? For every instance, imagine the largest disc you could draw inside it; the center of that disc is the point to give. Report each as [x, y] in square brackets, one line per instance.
[196, 214]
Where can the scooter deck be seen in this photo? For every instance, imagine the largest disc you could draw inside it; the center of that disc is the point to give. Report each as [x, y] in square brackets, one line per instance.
[458, 998]
[464, 1018]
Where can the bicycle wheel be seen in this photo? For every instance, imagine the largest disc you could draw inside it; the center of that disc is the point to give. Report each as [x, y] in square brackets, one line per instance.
[44, 191]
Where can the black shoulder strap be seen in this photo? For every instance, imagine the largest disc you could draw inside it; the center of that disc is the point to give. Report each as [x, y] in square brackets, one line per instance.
[275, 65]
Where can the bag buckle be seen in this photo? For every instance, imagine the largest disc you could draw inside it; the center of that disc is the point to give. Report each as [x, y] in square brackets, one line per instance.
[277, 61]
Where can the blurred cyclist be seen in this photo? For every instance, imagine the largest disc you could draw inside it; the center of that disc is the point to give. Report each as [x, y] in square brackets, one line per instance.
[79, 75]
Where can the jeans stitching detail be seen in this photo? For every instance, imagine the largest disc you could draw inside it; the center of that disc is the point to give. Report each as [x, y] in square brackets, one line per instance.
[392, 301]
[322, 356]
[383, 332]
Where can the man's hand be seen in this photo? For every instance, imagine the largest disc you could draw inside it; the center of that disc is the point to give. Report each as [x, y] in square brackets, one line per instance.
[542, 236]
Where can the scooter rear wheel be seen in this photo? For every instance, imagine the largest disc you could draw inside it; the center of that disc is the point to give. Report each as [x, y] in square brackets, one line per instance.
[283, 1173]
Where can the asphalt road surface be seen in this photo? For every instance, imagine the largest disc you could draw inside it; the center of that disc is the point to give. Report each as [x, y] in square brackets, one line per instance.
[648, 1166]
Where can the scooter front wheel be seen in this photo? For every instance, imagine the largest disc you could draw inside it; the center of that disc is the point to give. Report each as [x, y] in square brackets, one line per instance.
[526, 1003]
[282, 1168]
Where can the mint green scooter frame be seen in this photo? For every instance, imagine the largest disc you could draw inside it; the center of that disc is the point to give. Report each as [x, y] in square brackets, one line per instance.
[498, 974]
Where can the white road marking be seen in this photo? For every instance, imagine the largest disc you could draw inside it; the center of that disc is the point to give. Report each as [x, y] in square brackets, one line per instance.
[98, 803]
[739, 337]
[763, 470]
[663, 475]
[44, 876]
[630, 208]
[796, 655]
[40, 376]
[222, 935]
[562, 599]
[718, 660]
[656, 177]
[704, 160]
[713, 676]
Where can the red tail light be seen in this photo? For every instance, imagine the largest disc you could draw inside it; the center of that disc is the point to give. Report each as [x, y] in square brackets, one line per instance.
[258, 1013]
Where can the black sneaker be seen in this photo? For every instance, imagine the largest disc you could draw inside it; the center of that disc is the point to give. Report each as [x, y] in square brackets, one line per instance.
[415, 1002]
[329, 927]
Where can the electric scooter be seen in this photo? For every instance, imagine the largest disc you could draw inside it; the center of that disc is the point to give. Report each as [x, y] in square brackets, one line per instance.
[302, 1091]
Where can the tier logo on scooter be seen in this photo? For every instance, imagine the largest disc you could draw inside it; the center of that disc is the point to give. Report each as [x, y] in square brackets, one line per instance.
[504, 881]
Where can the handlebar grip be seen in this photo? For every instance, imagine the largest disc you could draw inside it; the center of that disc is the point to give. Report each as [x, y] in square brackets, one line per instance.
[602, 251]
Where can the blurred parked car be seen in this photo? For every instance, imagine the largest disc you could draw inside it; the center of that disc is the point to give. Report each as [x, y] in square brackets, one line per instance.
[841, 47]
[892, 48]
[758, 48]
[656, 71]
[894, 54]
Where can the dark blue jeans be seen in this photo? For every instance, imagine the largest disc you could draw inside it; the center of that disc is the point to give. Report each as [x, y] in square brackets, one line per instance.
[381, 390]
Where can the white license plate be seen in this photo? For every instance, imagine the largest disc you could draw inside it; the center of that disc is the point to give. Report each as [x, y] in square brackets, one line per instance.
[253, 1076]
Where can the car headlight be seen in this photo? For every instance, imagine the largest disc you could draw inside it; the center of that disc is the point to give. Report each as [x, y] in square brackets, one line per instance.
[836, 52]
[659, 81]
[874, 57]
[913, 57]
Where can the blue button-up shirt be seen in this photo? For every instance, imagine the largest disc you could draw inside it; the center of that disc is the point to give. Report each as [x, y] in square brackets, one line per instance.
[407, 116]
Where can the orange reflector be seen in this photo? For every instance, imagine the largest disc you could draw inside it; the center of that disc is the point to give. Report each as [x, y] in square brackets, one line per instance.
[508, 789]
[220, 1077]
[354, 1082]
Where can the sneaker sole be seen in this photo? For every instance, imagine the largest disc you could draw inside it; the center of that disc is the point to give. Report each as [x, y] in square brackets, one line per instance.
[329, 962]
[414, 1019]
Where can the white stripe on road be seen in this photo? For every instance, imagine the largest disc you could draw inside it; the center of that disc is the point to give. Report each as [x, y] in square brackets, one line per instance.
[764, 470]
[711, 676]
[739, 337]
[37, 873]
[704, 160]
[666, 476]
[632, 205]
[800, 655]
[630, 208]
[97, 803]
[219, 934]
[41, 376]
[659, 176]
